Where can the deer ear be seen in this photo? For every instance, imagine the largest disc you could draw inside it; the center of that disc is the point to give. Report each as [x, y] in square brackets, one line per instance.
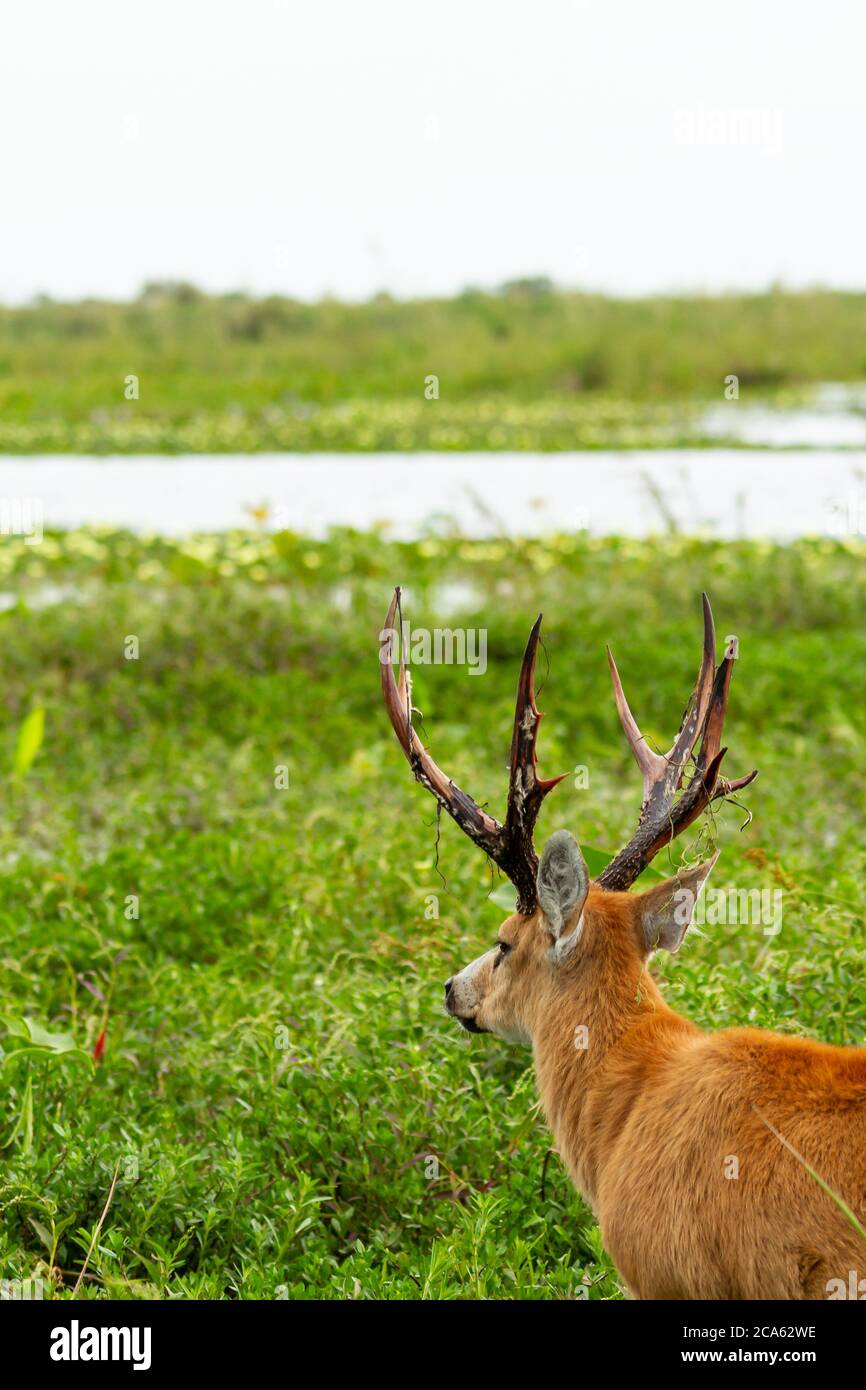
[562, 882]
[666, 911]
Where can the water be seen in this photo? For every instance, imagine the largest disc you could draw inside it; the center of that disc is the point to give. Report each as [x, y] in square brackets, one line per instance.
[730, 493]
[835, 417]
[786, 429]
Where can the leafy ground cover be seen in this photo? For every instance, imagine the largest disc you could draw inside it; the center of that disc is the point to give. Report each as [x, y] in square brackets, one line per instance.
[225, 991]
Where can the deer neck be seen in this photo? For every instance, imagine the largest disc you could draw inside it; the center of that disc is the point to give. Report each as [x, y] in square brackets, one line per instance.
[592, 1041]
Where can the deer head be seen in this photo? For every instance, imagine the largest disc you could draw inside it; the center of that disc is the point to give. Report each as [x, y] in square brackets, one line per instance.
[564, 923]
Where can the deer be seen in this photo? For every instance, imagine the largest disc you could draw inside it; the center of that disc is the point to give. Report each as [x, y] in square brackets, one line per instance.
[718, 1165]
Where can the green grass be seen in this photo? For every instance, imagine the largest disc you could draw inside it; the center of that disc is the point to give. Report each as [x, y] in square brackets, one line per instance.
[278, 1072]
[525, 368]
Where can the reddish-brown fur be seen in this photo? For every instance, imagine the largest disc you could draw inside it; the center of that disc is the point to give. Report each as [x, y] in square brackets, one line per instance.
[651, 1115]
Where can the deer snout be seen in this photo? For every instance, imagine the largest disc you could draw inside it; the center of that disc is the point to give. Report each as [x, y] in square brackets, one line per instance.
[448, 992]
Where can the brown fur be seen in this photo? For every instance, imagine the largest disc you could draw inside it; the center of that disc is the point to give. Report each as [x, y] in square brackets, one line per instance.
[649, 1115]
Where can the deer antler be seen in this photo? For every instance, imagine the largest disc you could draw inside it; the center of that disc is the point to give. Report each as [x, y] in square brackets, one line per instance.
[510, 845]
[662, 817]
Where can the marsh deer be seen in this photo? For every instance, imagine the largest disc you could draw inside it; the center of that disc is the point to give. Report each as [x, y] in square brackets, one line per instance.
[700, 1153]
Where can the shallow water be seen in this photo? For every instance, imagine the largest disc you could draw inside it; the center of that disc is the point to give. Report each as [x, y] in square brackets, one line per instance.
[835, 417]
[786, 429]
[730, 493]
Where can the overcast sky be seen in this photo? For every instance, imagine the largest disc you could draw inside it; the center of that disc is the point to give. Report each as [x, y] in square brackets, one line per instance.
[346, 146]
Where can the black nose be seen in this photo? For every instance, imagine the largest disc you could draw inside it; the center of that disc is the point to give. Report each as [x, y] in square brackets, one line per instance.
[448, 984]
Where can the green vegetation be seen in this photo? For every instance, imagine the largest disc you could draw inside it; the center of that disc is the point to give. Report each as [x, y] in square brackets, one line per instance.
[525, 368]
[274, 1073]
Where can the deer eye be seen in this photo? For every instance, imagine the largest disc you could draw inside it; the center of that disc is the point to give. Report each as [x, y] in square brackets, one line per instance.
[504, 947]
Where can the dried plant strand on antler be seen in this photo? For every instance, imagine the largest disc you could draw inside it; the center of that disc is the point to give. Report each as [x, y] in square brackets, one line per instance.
[509, 845]
[662, 816]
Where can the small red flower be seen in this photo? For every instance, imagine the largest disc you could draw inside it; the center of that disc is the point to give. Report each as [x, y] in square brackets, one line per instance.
[100, 1047]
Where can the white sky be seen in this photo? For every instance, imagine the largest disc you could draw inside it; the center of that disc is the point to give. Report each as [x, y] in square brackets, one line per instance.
[345, 146]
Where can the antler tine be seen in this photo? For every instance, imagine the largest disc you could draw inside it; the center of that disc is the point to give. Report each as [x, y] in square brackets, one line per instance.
[661, 818]
[717, 707]
[509, 845]
[663, 772]
[651, 764]
[484, 829]
[526, 790]
[696, 710]
[710, 753]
